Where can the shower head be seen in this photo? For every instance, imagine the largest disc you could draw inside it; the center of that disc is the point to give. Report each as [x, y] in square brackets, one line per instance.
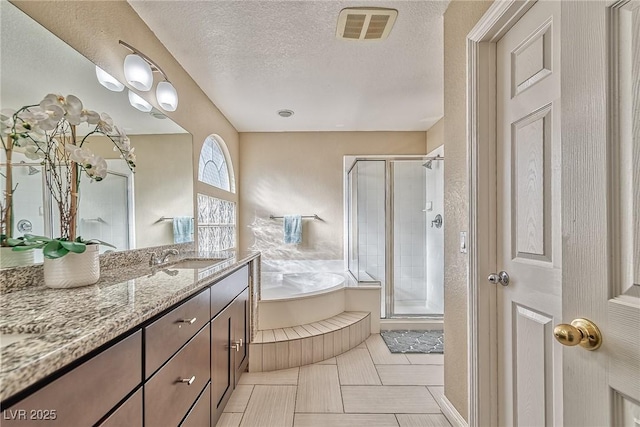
[429, 163]
[32, 170]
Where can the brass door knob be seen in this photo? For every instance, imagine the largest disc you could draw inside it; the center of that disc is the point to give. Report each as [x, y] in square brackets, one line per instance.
[581, 332]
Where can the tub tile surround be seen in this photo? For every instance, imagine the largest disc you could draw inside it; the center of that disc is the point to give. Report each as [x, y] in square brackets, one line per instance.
[276, 349]
[66, 324]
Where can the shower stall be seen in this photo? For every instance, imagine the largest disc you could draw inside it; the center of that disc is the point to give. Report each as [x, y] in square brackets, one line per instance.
[395, 231]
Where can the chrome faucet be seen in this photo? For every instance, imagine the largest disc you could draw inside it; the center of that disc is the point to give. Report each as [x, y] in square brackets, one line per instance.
[163, 257]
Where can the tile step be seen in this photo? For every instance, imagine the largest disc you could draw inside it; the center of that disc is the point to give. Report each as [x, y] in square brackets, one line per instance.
[274, 349]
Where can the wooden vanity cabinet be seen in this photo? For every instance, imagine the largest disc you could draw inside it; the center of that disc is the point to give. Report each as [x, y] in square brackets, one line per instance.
[172, 391]
[128, 414]
[229, 337]
[179, 369]
[84, 395]
[166, 335]
[200, 414]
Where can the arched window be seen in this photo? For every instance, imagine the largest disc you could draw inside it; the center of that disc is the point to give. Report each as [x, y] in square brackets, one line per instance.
[214, 168]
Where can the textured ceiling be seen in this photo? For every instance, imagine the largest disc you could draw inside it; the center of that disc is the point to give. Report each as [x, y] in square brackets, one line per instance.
[253, 58]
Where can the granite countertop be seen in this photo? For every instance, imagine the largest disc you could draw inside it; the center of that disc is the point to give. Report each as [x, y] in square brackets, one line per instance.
[66, 324]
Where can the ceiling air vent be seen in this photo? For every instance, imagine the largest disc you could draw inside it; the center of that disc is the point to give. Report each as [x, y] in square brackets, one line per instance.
[365, 23]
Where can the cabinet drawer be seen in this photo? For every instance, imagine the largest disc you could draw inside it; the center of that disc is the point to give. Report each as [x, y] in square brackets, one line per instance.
[167, 334]
[128, 414]
[223, 292]
[166, 398]
[199, 416]
[84, 395]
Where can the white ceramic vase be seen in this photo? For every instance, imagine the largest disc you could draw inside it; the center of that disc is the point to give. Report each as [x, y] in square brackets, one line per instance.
[11, 258]
[73, 270]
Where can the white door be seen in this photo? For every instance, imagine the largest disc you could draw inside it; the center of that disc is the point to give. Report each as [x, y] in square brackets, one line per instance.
[623, 309]
[528, 219]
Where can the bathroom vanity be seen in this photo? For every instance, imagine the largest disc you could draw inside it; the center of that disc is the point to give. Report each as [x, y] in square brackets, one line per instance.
[144, 347]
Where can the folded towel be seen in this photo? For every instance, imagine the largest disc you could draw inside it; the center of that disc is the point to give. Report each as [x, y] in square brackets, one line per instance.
[182, 229]
[292, 228]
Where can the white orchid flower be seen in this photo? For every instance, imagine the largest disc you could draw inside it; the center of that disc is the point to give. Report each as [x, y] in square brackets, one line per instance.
[105, 125]
[55, 113]
[73, 110]
[99, 171]
[32, 150]
[90, 116]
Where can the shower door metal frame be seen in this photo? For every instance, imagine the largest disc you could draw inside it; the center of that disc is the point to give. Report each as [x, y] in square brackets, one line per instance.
[389, 232]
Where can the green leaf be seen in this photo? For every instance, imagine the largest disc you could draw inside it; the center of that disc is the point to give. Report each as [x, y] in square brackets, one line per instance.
[35, 238]
[15, 242]
[75, 247]
[54, 249]
[28, 247]
[94, 241]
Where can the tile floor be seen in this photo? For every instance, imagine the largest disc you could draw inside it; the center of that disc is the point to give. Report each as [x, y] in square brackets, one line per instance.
[367, 386]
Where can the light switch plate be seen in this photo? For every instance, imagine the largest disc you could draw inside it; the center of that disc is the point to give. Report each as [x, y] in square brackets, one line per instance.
[463, 242]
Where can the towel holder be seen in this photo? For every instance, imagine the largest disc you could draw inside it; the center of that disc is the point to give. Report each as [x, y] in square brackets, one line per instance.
[314, 216]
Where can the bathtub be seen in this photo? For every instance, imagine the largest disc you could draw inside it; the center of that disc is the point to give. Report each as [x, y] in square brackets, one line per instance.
[284, 279]
[299, 292]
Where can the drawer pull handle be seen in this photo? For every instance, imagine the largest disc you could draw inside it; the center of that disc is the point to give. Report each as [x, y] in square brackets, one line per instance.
[240, 342]
[188, 381]
[235, 346]
[188, 321]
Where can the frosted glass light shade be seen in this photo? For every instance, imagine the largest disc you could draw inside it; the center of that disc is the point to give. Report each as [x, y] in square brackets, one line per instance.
[167, 96]
[138, 72]
[138, 102]
[108, 81]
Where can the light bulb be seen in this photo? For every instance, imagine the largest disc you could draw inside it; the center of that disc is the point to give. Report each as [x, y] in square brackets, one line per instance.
[167, 96]
[108, 81]
[138, 72]
[138, 102]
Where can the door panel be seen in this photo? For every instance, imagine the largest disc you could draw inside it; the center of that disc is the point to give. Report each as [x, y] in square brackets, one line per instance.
[622, 338]
[528, 208]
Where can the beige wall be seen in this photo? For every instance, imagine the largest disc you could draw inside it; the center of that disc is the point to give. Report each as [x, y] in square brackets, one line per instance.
[163, 183]
[435, 136]
[459, 19]
[302, 172]
[94, 28]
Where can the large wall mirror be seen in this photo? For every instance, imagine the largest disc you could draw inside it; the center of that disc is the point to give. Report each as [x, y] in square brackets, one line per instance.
[128, 210]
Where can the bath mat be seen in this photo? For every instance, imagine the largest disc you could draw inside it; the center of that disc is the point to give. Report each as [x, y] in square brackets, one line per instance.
[414, 341]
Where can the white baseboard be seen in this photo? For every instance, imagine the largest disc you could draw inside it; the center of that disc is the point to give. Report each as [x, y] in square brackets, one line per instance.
[452, 413]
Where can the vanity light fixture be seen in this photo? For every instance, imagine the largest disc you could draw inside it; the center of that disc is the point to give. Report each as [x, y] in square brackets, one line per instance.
[138, 70]
[167, 96]
[108, 81]
[138, 102]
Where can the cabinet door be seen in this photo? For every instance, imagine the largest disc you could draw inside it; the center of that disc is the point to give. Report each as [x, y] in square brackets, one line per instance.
[128, 414]
[199, 416]
[222, 368]
[240, 323]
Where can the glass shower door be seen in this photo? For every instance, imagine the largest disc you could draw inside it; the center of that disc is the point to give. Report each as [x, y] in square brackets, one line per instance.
[409, 239]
